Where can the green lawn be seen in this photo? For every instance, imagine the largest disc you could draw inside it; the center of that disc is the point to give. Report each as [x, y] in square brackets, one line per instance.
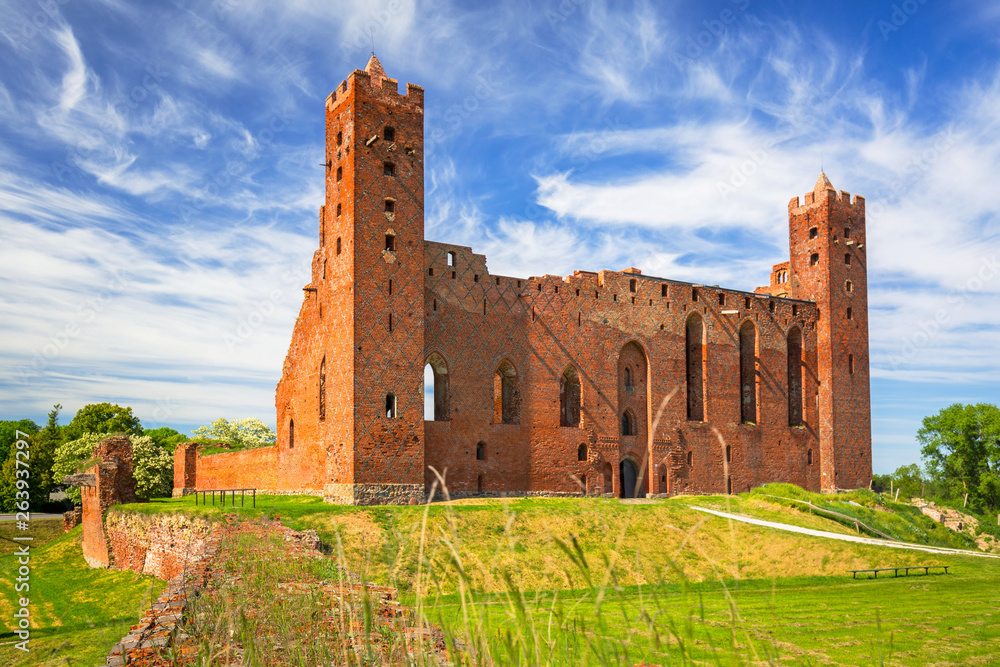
[620, 583]
[939, 619]
[78, 613]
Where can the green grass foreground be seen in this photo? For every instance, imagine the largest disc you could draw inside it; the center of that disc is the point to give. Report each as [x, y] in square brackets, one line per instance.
[77, 614]
[599, 582]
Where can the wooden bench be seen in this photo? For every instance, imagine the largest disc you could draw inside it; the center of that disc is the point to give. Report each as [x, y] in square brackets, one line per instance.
[896, 570]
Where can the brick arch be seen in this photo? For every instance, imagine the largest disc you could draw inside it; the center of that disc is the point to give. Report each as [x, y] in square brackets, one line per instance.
[749, 344]
[569, 397]
[695, 334]
[506, 393]
[442, 396]
[793, 383]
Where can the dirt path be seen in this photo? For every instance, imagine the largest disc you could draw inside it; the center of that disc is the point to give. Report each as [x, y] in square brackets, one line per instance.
[847, 538]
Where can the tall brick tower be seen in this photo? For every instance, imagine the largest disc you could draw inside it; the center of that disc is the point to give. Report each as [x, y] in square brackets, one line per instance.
[367, 350]
[828, 265]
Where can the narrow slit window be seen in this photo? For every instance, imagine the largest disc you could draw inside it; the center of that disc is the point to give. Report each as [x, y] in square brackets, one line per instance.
[338, 210]
[390, 322]
[850, 364]
[729, 454]
[390, 206]
[690, 459]
[340, 138]
[850, 313]
[389, 134]
[795, 310]
[291, 433]
[390, 406]
[847, 232]
[451, 259]
[631, 284]
[390, 286]
[340, 173]
[722, 299]
[814, 259]
[338, 245]
[663, 291]
[849, 286]
[581, 453]
[770, 306]
[481, 451]
[813, 232]
[388, 169]
[430, 271]
[809, 457]
[694, 295]
[390, 242]
[847, 259]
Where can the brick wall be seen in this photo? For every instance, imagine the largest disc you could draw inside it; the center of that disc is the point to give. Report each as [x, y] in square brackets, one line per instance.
[158, 545]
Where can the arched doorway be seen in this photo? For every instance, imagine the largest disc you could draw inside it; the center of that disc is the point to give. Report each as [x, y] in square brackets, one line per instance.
[629, 475]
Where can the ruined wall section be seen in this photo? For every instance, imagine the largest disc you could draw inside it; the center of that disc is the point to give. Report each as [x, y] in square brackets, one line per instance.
[161, 546]
[829, 266]
[475, 321]
[543, 325]
[590, 320]
[259, 469]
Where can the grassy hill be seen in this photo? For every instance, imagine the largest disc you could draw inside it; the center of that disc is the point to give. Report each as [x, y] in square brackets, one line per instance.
[600, 581]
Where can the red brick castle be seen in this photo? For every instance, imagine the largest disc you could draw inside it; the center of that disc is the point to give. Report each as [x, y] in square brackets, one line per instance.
[607, 382]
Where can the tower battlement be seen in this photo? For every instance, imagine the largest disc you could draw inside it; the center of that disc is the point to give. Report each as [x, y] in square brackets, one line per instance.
[374, 81]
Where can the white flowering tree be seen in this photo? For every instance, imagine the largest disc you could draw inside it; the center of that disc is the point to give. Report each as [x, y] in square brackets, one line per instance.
[152, 465]
[249, 432]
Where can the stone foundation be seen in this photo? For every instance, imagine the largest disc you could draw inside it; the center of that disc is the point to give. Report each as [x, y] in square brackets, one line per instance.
[374, 494]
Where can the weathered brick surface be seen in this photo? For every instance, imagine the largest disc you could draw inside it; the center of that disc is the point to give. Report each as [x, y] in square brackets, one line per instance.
[161, 546]
[715, 401]
[109, 482]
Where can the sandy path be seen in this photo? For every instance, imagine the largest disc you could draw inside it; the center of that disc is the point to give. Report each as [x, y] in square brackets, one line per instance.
[847, 538]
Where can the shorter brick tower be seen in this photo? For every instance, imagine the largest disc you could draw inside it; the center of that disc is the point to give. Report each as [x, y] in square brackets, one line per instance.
[828, 265]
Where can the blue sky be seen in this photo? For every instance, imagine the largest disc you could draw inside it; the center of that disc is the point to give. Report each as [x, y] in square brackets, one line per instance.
[160, 178]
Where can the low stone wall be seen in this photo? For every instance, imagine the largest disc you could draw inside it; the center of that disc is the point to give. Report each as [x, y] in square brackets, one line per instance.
[374, 494]
[160, 545]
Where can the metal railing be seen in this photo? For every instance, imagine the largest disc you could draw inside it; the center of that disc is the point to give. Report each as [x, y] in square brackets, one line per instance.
[222, 495]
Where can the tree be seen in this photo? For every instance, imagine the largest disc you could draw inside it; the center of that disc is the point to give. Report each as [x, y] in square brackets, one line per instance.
[103, 418]
[152, 465]
[8, 434]
[910, 480]
[961, 450]
[250, 432]
[166, 437]
[41, 449]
